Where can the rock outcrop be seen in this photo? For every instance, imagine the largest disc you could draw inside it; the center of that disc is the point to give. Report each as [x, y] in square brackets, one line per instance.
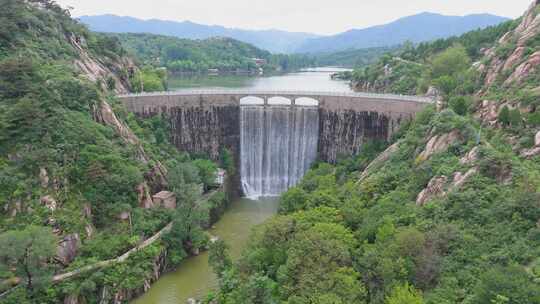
[68, 248]
[439, 143]
[524, 32]
[105, 115]
[471, 157]
[165, 199]
[43, 178]
[488, 112]
[439, 186]
[460, 179]
[524, 69]
[96, 70]
[534, 151]
[49, 202]
[435, 188]
[144, 197]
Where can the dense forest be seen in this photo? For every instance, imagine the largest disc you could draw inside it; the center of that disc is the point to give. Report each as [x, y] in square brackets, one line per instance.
[199, 56]
[355, 58]
[78, 174]
[447, 212]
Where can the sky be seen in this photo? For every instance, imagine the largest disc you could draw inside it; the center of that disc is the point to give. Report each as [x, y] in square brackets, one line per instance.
[315, 16]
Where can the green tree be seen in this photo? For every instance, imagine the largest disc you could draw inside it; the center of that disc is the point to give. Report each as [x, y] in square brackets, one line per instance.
[504, 116]
[404, 294]
[207, 172]
[219, 257]
[294, 199]
[186, 232]
[460, 104]
[511, 283]
[28, 251]
[319, 262]
[450, 62]
[515, 118]
[446, 83]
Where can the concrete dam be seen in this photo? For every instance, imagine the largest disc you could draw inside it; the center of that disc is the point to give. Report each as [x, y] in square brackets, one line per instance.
[275, 136]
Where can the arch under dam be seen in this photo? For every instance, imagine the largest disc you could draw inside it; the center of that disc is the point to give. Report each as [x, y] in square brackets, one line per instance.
[275, 136]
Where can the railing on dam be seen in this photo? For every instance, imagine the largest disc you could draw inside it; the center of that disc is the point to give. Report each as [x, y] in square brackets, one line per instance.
[282, 93]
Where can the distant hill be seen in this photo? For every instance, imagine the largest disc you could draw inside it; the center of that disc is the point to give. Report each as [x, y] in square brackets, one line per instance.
[222, 53]
[416, 28]
[272, 40]
[353, 58]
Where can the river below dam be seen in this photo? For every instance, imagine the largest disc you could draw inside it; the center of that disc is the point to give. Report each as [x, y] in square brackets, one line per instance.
[194, 278]
[291, 141]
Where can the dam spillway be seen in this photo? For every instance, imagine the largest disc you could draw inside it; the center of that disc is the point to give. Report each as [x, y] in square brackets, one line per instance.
[275, 136]
[278, 144]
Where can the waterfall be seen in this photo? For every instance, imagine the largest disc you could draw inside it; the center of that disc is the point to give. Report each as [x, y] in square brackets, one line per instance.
[278, 144]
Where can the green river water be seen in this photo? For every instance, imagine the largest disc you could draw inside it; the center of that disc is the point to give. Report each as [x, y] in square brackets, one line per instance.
[194, 277]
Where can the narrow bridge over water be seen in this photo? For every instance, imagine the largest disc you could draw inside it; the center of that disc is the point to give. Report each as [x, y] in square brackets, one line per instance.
[206, 121]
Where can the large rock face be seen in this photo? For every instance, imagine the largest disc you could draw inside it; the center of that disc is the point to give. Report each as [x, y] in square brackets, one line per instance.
[97, 70]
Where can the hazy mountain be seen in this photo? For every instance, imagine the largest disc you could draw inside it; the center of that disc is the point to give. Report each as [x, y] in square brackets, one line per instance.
[416, 28]
[271, 40]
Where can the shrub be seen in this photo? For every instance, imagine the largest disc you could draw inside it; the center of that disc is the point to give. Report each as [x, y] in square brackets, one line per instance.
[511, 283]
[404, 294]
[460, 104]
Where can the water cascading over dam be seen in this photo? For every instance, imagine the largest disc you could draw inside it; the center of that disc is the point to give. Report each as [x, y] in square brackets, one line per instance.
[278, 144]
[274, 137]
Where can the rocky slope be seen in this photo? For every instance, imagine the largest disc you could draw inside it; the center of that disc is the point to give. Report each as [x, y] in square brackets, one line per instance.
[74, 167]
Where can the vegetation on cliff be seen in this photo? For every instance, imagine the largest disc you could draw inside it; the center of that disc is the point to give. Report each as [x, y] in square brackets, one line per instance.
[448, 213]
[77, 173]
[410, 71]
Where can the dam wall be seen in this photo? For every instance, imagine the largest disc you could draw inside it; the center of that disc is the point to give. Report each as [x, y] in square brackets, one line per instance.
[206, 121]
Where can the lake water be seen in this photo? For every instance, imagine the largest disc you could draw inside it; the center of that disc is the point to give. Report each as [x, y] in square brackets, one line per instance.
[316, 79]
[194, 278]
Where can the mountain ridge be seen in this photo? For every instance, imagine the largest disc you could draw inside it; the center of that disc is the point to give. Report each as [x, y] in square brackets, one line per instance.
[279, 41]
[273, 40]
[433, 26]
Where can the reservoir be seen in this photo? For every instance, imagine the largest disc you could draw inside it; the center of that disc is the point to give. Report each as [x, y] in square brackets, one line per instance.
[315, 79]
